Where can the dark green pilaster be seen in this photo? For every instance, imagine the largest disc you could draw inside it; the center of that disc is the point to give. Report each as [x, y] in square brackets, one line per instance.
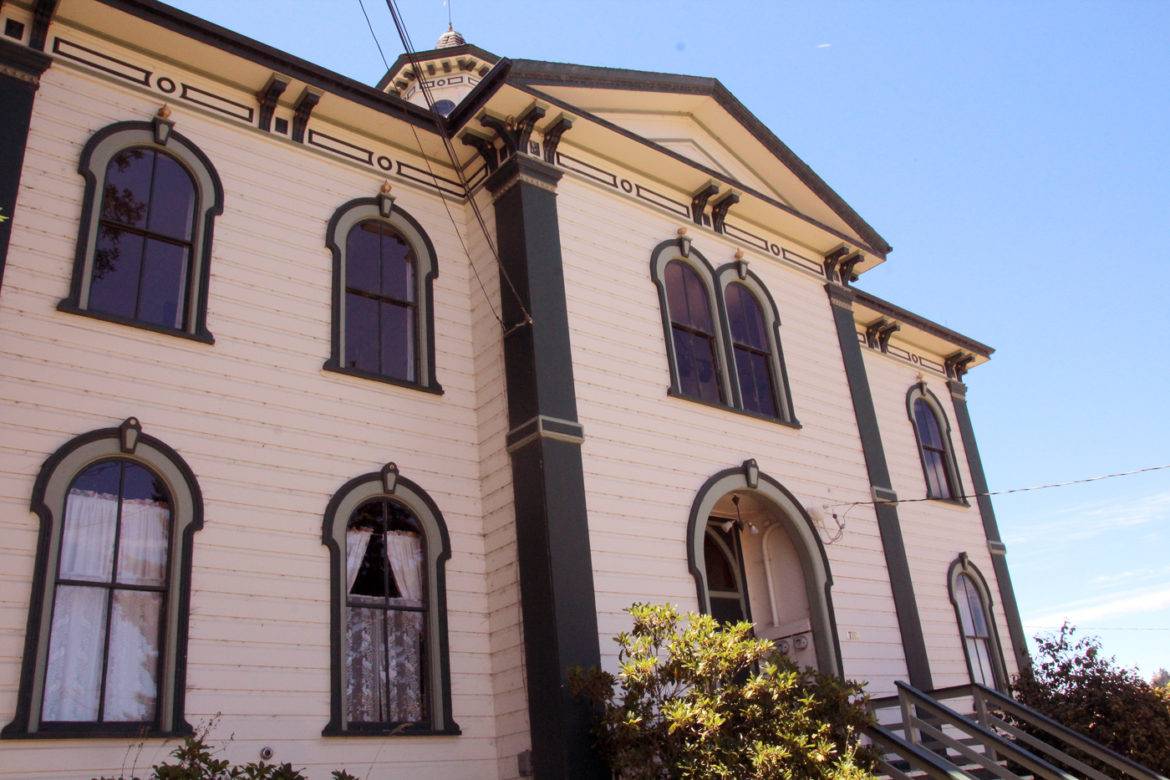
[889, 527]
[990, 527]
[552, 532]
[20, 72]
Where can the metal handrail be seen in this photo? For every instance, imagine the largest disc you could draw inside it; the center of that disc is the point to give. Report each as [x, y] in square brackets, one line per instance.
[990, 739]
[916, 756]
[1051, 727]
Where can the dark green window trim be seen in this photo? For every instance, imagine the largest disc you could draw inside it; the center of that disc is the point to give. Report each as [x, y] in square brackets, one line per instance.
[962, 565]
[389, 485]
[48, 502]
[95, 157]
[384, 209]
[921, 392]
[805, 539]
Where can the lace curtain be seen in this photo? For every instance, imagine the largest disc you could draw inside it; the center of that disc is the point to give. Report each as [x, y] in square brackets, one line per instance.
[385, 651]
[73, 675]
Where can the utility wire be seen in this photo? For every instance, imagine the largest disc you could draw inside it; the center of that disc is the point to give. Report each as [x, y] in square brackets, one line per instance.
[1044, 486]
[446, 207]
[408, 46]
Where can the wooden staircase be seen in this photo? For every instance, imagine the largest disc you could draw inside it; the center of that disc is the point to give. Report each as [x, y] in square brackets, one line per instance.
[920, 736]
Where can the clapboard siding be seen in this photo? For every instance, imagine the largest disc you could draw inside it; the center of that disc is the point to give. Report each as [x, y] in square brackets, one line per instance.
[646, 455]
[935, 532]
[268, 434]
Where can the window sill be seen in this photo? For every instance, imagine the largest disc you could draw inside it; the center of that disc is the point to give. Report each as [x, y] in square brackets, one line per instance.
[957, 503]
[96, 731]
[391, 731]
[202, 336]
[332, 366]
[794, 424]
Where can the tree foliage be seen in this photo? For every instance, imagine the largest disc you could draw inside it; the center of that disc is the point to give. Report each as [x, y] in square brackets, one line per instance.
[1075, 684]
[696, 700]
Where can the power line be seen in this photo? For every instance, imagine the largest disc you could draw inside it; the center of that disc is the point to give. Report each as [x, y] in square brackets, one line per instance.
[1045, 486]
[1102, 628]
[408, 46]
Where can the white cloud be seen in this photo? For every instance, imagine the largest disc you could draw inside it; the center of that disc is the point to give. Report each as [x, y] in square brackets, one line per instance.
[1135, 601]
[824, 45]
[1086, 521]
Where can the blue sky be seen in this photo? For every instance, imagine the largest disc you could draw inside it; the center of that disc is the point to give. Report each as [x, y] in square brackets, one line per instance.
[1015, 155]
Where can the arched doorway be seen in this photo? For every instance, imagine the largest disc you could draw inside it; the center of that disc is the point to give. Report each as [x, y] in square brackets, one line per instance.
[755, 554]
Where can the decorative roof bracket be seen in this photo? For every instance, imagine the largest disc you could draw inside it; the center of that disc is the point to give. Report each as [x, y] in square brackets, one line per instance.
[302, 110]
[699, 200]
[720, 208]
[956, 364]
[484, 144]
[552, 136]
[268, 97]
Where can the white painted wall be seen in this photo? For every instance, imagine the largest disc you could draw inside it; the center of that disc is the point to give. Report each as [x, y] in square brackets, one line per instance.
[935, 532]
[269, 436]
[646, 455]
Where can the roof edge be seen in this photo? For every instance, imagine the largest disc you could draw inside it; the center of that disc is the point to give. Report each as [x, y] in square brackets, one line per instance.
[930, 326]
[433, 54]
[564, 74]
[171, 18]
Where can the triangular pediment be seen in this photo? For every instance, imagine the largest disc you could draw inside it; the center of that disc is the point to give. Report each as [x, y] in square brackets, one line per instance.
[699, 120]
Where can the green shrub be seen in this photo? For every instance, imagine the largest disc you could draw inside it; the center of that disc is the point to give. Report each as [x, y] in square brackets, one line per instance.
[696, 700]
[195, 760]
[1073, 683]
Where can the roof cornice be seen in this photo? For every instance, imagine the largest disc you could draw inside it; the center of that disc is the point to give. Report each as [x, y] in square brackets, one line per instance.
[888, 309]
[224, 39]
[537, 72]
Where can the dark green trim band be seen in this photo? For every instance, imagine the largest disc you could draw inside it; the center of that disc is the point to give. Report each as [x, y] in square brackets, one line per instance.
[20, 73]
[552, 533]
[1003, 579]
[889, 527]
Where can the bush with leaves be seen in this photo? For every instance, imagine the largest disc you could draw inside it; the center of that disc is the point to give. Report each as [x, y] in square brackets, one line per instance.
[693, 699]
[194, 759]
[1073, 683]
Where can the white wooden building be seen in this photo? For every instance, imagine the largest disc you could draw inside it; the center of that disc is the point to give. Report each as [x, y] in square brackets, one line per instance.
[286, 447]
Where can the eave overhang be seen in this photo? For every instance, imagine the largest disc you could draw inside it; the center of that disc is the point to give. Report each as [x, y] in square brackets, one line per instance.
[917, 331]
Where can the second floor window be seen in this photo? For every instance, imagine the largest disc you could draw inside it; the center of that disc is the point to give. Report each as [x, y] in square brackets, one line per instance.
[380, 302]
[935, 455]
[753, 355]
[693, 332]
[144, 246]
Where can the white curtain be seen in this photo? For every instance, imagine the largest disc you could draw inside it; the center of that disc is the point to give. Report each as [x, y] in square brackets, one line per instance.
[76, 646]
[404, 551]
[356, 542]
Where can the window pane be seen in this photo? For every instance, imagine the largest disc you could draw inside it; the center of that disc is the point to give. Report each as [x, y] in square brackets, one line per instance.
[164, 283]
[397, 267]
[73, 674]
[172, 199]
[127, 187]
[404, 550]
[978, 608]
[747, 321]
[145, 535]
[937, 485]
[361, 333]
[966, 619]
[117, 263]
[365, 667]
[91, 514]
[397, 341]
[687, 297]
[928, 430]
[132, 668]
[726, 610]
[982, 662]
[404, 666]
[755, 382]
[696, 366]
[361, 257]
[720, 569]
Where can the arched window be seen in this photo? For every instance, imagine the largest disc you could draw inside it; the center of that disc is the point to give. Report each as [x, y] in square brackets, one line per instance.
[145, 241]
[384, 267]
[692, 328]
[972, 602]
[725, 585]
[933, 434]
[760, 380]
[389, 547]
[105, 651]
